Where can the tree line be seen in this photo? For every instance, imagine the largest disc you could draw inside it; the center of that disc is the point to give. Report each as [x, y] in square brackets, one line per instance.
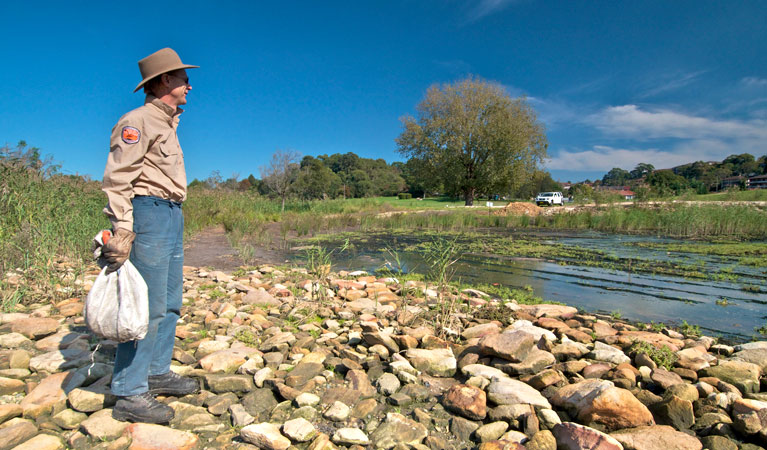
[469, 139]
[699, 176]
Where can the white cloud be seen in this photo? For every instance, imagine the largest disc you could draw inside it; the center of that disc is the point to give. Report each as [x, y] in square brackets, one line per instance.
[754, 82]
[484, 8]
[631, 122]
[604, 158]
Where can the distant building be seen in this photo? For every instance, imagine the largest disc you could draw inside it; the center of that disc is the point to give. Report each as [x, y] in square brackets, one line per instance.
[757, 182]
[730, 182]
[628, 194]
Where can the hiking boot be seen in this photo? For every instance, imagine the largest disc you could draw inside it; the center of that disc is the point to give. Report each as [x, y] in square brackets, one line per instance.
[172, 383]
[141, 408]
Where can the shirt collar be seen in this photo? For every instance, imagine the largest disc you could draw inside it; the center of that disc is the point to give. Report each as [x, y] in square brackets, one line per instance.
[162, 106]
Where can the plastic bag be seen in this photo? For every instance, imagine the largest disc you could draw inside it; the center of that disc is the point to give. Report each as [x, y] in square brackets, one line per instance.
[117, 307]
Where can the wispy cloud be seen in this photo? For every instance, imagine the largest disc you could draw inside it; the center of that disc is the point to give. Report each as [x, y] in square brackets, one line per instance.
[754, 82]
[484, 8]
[671, 82]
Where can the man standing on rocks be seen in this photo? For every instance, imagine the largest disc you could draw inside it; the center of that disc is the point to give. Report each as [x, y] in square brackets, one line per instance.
[145, 184]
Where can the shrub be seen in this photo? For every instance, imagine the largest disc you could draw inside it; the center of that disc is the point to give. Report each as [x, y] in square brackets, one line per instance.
[404, 196]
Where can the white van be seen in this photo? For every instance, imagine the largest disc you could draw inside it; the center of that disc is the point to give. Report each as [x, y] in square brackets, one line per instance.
[549, 199]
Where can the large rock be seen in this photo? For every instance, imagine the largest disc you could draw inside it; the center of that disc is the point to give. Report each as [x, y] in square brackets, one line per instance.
[548, 310]
[35, 327]
[10, 386]
[227, 360]
[674, 411]
[741, 374]
[514, 346]
[91, 399]
[481, 370]
[508, 391]
[42, 442]
[15, 432]
[102, 426]
[220, 383]
[398, 430]
[62, 340]
[599, 401]
[260, 297]
[571, 436]
[47, 395]
[266, 436]
[146, 436]
[59, 360]
[608, 353]
[749, 416]
[437, 362]
[659, 437]
[277, 340]
[468, 401]
[299, 430]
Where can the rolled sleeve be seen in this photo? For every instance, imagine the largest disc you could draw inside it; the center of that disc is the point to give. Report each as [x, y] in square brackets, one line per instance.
[124, 166]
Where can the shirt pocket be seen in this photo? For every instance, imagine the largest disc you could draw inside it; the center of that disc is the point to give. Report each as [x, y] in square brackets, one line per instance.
[170, 147]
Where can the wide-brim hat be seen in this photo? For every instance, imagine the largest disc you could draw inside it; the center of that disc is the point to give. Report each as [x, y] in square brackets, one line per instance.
[158, 63]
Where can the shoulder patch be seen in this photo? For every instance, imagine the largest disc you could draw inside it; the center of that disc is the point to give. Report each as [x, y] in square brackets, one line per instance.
[131, 135]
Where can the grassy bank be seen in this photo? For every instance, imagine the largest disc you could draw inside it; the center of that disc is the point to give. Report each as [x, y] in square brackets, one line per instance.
[247, 214]
[44, 221]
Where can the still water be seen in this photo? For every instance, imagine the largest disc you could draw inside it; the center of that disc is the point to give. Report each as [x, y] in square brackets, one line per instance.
[636, 296]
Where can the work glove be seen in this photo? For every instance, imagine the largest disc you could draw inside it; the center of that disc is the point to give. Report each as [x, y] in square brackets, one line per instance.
[117, 249]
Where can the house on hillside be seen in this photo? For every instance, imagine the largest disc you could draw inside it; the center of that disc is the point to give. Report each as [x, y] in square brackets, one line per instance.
[628, 194]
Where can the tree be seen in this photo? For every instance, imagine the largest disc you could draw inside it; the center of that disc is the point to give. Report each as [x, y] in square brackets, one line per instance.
[316, 181]
[641, 170]
[281, 172]
[474, 137]
[616, 177]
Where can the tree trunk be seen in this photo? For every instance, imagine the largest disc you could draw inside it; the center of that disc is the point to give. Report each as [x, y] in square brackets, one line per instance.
[468, 196]
[283, 203]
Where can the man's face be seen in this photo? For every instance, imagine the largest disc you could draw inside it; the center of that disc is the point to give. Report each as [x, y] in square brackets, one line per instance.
[179, 86]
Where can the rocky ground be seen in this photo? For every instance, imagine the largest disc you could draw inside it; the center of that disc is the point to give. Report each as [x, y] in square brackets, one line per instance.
[354, 361]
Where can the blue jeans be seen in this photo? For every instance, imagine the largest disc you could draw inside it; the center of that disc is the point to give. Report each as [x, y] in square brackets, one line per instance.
[158, 254]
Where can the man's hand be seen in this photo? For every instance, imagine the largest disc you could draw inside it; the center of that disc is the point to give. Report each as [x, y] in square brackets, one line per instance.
[117, 249]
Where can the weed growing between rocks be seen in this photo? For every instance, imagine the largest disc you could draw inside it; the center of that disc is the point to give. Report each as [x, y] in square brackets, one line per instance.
[662, 356]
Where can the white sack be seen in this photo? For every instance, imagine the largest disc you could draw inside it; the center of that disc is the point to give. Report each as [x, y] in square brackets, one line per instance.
[117, 306]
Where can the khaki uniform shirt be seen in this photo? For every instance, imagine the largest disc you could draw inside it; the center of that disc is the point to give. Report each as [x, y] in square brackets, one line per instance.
[145, 158]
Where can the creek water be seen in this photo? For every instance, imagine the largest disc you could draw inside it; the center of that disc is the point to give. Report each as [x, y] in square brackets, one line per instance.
[641, 297]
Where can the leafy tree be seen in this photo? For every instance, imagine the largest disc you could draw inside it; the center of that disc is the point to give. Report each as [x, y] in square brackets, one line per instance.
[474, 137]
[281, 172]
[665, 182]
[540, 181]
[316, 181]
[616, 177]
[641, 170]
[762, 161]
[742, 164]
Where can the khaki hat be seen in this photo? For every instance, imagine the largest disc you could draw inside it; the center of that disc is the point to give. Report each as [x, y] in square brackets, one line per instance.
[158, 63]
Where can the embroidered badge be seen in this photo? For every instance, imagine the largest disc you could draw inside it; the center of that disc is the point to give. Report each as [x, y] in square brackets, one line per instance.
[131, 135]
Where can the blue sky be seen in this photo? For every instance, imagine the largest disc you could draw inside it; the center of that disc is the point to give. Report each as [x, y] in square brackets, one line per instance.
[615, 82]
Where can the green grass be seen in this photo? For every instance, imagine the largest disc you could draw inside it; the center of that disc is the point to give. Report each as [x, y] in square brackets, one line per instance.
[740, 196]
[45, 221]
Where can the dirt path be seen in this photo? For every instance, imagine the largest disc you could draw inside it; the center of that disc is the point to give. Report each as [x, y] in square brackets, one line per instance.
[211, 248]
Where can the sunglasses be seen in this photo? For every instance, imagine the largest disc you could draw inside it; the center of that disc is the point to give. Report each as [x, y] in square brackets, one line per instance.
[185, 80]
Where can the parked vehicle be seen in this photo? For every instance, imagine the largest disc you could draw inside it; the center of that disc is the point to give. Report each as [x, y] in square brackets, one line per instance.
[549, 199]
